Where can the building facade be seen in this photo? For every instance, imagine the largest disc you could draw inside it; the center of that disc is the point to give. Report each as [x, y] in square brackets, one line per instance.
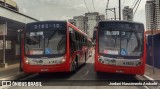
[80, 22]
[87, 22]
[149, 8]
[127, 13]
[92, 19]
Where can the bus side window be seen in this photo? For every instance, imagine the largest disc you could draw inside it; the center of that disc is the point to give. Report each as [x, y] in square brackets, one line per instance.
[77, 40]
[72, 40]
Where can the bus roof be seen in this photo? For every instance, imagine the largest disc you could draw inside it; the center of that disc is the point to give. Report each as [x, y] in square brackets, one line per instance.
[75, 28]
[47, 21]
[121, 21]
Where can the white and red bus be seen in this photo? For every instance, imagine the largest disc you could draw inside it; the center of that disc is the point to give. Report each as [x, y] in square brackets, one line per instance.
[120, 47]
[53, 46]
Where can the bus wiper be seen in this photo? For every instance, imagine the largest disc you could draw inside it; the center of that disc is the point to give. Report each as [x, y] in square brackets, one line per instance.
[52, 34]
[51, 37]
[60, 42]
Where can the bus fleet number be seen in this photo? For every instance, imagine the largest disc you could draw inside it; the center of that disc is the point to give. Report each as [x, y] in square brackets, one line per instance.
[128, 63]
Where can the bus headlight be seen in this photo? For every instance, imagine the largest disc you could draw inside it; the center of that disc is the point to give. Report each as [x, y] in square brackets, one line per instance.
[63, 59]
[26, 61]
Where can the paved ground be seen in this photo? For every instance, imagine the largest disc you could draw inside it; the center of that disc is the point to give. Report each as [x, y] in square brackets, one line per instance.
[10, 70]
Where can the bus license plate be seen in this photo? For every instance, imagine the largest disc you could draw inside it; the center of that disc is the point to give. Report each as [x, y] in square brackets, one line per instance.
[44, 69]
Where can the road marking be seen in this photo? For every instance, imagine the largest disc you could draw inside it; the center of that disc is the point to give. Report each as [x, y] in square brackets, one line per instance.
[146, 87]
[87, 73]
[30, 76]
[149, 78]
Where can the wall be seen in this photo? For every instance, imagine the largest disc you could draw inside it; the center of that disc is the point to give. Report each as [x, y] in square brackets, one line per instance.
[156, 50]
[9, 54]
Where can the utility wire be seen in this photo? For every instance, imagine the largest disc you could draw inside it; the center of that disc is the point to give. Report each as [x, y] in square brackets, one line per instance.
[135, 4]
[93, 5]
[86, 5]
[107, 8]
[137, 7]
[107, 4]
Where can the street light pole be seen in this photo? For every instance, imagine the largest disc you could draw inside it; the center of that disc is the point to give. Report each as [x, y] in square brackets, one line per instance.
[115, 13]
[4, 45]
[119, 9]
[152, 30]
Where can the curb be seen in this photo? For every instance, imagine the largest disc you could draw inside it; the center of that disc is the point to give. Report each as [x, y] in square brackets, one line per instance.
[150, 79]
[144, 78]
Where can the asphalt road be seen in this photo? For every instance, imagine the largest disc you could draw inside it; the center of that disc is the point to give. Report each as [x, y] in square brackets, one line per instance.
[84, 78]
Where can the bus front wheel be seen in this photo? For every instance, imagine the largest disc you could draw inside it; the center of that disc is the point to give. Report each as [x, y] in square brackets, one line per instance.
[74, 66]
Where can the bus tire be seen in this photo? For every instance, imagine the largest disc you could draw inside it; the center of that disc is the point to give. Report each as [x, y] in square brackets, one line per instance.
[85, 58]
[133, 75]
[75, 66]
[98, 73]
[20, 67]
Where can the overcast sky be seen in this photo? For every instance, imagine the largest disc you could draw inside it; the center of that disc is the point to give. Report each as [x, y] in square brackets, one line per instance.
[65, 9]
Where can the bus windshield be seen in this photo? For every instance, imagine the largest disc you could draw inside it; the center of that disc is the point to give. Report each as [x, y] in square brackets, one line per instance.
[45, 42]
[120, 42]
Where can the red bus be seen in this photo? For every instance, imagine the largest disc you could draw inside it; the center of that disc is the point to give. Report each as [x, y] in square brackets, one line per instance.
[120, 47]
[53, 46]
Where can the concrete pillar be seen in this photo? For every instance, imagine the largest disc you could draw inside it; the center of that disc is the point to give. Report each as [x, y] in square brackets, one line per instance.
[4, 64]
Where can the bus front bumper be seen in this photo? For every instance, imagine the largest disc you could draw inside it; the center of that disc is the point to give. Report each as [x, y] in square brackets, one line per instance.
[119, 69]
[45, 68]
